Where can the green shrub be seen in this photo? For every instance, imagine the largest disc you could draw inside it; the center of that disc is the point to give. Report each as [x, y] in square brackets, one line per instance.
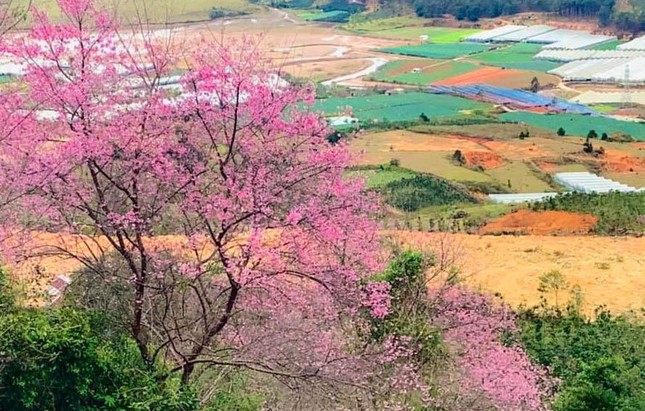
[601, 363]
[420, 191]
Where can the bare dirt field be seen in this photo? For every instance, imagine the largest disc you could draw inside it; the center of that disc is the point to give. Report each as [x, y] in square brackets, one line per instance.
[541, 223]
[611, 271]
[496, 76]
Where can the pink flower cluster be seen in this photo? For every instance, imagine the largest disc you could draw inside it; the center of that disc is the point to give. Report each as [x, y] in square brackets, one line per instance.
[505, 374]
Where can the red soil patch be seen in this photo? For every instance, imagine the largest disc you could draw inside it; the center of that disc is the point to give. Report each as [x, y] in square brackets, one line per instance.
[482, 75]
[547, 167]
[541, 223]
[497, 76]
[485, 159]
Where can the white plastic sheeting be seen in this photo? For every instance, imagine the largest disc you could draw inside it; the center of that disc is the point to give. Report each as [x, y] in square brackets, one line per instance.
[636, 44]
[571, 55]
[519, 198]
[489, 35]
[591, 183]
[617, 70]
[579, 41]
[554, 36]
[524, 34]
[600, 97]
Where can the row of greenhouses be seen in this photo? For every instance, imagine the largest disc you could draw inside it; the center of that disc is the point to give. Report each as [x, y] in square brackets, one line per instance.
[636, 44]
[549, 37]
[586, 54]
[617, 70]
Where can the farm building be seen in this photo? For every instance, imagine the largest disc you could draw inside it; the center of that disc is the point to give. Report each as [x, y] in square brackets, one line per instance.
[342, 121]
[585, 54]
[490, 35]
[585, 182]
[550, 37]
[618, 70]
[519, 198]
[521, 35]
[636, 44]
[579, 41]
[520, 99]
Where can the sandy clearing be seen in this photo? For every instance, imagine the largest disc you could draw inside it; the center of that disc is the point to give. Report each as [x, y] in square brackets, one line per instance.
[402, 140]
[377, 62]
[610, 271]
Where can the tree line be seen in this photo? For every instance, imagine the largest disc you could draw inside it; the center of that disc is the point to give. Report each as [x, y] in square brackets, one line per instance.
[473, 10]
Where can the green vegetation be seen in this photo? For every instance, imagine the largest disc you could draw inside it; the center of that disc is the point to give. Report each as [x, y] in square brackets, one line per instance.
[517, 56]
[72, 359]
[618, 213]
[438, 51]
[380, 176]
[408, 28]
[611, 45]
[401, 107]
[412, 194]
[431, 71]
[578, 125]
[160, 10]
[334, 16]
[601, 363]
[523, 179]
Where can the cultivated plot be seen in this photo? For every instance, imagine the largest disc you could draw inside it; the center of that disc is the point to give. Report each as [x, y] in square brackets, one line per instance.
[575, 124]
[438, 51]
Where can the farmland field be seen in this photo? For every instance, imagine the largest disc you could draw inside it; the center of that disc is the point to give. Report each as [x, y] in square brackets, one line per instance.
[400, 71]
[377, 177]
[496, 76]
[409, 28]
[438, 51]
[579, 125]
[400, 107]
[517, 56]
[159, 10]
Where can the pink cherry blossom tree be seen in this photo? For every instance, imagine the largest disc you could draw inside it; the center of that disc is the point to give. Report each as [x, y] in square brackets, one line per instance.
[494, 371]
[212, 218]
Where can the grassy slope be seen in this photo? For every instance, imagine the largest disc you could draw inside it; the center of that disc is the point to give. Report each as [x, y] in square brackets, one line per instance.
[156, 10]
[579, 125]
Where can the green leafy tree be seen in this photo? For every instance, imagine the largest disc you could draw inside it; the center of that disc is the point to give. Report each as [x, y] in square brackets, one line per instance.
[561, 132]
[592, 134]
[553, 282]
[67, 359]
[535, 85]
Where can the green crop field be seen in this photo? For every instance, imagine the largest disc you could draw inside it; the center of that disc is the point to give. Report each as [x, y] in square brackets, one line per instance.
[400, 71]
[409, 28]
[380, 176]
[155, 10]
[579, 125]
[517, 56]
[438, 51]
[403, 107]
[318, 15]
[609, 46]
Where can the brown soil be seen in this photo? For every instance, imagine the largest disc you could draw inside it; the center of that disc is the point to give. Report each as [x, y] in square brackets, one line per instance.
[496, 76]
[609, 270]
[541, 223]
[484, 159]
